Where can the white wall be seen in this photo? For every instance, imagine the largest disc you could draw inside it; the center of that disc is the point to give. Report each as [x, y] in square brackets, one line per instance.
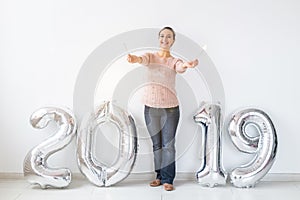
[43, 44]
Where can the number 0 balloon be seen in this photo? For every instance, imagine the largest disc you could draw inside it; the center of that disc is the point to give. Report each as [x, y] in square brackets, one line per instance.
[98, 174]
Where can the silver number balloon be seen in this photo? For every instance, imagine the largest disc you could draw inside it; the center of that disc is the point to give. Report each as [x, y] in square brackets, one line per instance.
[210, 119]
[99, 174]
[264, 146]
[35, 166]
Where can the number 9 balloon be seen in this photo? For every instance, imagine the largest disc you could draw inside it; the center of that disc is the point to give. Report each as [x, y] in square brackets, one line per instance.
[35, 166]
[264, 146]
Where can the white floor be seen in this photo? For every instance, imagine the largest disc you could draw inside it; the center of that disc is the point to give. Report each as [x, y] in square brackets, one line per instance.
[19, 189]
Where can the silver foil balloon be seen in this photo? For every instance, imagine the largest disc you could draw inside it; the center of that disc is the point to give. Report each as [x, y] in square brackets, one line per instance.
[263, 146]
[35, 166]
[210, 119]
[99, 174]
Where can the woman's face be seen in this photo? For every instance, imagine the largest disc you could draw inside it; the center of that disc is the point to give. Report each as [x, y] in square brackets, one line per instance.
[166, 39]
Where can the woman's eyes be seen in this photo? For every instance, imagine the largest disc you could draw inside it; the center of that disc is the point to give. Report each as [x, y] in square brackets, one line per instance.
[168, 36]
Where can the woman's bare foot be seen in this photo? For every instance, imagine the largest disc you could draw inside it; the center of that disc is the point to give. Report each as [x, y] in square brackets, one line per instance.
[155, 183]
[168, 187]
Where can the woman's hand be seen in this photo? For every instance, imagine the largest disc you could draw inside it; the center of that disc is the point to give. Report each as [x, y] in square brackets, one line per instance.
[133, 59]
[191, 64]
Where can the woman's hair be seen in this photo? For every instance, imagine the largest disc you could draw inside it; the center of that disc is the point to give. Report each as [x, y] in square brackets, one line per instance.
[169, 28]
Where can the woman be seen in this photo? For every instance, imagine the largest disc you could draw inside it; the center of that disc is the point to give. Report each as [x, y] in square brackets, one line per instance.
[161, 104]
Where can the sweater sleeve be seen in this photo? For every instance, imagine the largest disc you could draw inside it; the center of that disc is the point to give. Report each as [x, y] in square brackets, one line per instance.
[145, 59]
[179, 66]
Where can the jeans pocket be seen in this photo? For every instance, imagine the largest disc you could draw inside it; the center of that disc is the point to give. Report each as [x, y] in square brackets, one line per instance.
[172, 110]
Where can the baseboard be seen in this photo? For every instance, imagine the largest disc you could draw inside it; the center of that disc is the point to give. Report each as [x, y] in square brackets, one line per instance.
[294, 177]
[282, 177]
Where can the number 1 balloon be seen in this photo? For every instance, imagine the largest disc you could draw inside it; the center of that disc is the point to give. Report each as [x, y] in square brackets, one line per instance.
[264, 146]
[210, 119]
[35, 166]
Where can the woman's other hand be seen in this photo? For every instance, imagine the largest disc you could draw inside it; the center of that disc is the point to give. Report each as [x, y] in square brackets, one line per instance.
[193, 63]
[133, 59]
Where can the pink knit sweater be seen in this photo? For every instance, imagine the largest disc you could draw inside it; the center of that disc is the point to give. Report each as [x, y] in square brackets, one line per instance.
[159, 91]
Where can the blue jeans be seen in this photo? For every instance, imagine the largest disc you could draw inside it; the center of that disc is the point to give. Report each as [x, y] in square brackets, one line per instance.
[162, 124]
